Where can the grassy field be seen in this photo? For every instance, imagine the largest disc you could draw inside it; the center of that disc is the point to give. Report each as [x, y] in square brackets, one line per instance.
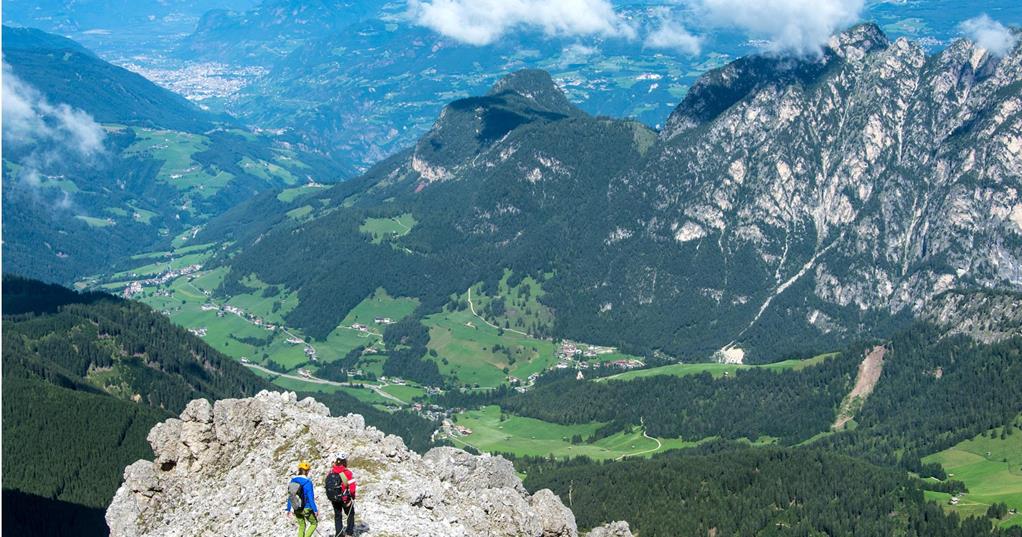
[467, 349]
[183, 299]
[267, 170]
[175, 149]
[362, 394]
[405, 393]
[344, 339]
[717, 370]
[289, 194]
[300, 212]
[386, 228]
[521, 309]
[992, 470]
[528, 436]
[95, 222]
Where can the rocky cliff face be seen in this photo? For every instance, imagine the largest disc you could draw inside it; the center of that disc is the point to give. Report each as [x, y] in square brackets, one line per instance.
[868, 180]
[985, 316]
[224, 468]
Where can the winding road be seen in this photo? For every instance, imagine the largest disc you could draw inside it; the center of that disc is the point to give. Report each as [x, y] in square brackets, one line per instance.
[314, 380]
[659, 444]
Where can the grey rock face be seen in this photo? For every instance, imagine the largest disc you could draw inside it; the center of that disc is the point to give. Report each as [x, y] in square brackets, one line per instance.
[224, 468]
[984, 316]
[867, 181]
[613, 529]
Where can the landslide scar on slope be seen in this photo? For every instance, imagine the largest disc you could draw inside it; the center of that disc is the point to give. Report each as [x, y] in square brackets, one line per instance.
[869, 373]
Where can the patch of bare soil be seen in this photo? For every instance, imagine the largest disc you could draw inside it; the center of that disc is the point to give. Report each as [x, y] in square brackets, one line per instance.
[869, 373]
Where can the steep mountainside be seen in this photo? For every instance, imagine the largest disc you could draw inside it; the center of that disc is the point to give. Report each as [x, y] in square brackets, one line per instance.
[982, 315]
[789, 205]
[839, 191]
[100, 164]
[65, 72]
[735, 490]
[84, 378]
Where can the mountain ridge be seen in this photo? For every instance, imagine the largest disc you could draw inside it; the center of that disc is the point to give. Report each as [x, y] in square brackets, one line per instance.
[805, 213]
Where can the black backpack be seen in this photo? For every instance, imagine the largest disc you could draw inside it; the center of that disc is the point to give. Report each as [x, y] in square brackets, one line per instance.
[334, 487]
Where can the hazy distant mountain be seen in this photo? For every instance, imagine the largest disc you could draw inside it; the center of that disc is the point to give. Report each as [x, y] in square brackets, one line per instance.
[270, 30]
[100, 163]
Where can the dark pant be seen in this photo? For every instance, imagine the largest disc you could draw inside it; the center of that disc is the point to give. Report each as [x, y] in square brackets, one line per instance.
[340, 511]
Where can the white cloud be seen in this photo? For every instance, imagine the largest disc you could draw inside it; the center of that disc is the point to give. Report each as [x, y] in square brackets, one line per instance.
[989, 34]
[29, 119]
[45, 136]
[670, 34]
[481, 22]
[576, 54]
[799, 27]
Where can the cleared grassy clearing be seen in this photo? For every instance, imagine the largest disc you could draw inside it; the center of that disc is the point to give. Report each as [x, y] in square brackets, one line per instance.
[717, 370]
[388, 228]
[95, 222]
[159, 267]
[405, 393]
[300, 212]
[175, 149]
[476, 353]
[267, 170]
[992, 470]
[290, 194]
[344, 339]
[532, 437]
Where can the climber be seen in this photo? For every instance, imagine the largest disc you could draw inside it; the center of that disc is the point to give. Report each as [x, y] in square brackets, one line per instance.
[300, 496]
[340, 490]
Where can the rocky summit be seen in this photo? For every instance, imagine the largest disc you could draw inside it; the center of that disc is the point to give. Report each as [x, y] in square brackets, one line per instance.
[224, 468]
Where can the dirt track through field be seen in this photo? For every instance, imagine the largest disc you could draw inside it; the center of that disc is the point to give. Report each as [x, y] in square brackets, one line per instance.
[869, 374]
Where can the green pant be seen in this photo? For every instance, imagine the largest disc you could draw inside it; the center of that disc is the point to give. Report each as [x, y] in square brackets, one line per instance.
[303, 516]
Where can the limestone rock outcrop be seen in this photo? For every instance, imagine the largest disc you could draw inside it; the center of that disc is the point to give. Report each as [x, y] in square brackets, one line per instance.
[224, 468]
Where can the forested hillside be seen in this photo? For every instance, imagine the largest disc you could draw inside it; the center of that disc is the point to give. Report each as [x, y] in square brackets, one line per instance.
[926, 400]
[729, 491]
[85, 377]
[789, 405]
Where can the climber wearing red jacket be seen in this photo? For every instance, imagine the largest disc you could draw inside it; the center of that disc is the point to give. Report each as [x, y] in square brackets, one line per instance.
[340, 490]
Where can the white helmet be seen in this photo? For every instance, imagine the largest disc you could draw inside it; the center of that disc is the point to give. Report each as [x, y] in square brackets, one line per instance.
[342, 456]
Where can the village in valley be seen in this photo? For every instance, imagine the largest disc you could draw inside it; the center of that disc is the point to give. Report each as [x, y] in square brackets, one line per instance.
[252, 328]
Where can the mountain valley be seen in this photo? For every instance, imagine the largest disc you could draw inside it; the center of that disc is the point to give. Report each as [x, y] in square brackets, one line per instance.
[628, 290]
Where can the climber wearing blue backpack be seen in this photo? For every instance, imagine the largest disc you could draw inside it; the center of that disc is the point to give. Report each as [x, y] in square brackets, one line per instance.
[301, 498]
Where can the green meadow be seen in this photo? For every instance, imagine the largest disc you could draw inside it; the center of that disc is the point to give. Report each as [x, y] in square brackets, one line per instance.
[290, 194]
[715, 369]
[387, 228]
[476, 353]
[531, 437]
[344, 339]
[991, 468]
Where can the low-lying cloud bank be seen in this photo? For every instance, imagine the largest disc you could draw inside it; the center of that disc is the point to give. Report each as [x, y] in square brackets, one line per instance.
[790, 27]
[29, 119]
[45, 136]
